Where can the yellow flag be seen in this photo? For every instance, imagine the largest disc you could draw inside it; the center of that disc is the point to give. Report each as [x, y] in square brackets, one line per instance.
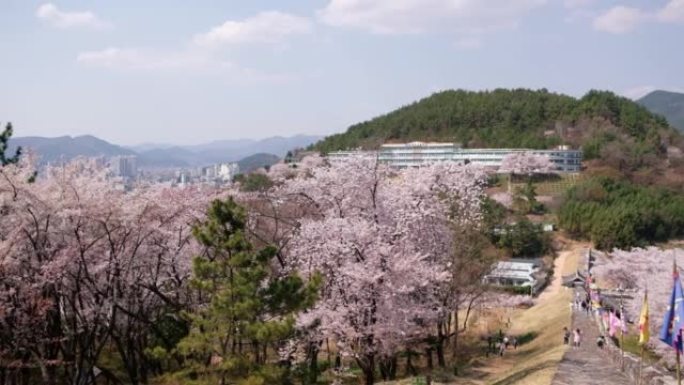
[643, 322]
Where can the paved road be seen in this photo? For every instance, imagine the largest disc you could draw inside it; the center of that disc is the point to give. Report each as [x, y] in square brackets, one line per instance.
[588, 365]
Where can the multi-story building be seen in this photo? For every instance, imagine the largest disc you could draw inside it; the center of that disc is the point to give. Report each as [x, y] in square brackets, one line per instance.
[227, 171]
[417, 153]
[223, 172]
[124, 166]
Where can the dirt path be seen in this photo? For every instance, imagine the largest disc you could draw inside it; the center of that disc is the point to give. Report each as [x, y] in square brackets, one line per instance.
[559, 269]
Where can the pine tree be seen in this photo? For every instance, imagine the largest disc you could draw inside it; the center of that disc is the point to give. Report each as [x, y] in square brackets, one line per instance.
[249, 306]
[4, 144]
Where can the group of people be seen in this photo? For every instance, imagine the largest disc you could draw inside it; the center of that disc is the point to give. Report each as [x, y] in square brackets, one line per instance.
[582, 304]
[576, 337]
[500, 343]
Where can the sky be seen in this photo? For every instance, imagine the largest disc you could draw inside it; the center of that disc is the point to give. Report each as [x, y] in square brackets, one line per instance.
[187, 72]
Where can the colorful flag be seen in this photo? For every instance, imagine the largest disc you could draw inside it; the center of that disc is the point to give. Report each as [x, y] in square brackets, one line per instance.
[643, 322]
[671, 331]
[615, 324]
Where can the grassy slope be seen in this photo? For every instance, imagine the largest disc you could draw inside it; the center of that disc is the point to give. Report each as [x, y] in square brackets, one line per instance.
[536, 362]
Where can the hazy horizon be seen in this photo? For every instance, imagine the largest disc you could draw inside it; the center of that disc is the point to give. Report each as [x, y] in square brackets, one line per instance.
[179, 73]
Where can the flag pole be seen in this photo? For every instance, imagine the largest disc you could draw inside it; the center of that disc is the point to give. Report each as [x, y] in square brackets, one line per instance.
[675, 273]
[643, 325]
[641, 364]
[679, 371]
[623, 321]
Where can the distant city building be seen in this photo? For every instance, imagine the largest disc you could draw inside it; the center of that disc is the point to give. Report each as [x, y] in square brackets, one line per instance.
[227, 171]
[222, 172]
[412, 154]
[124, 166]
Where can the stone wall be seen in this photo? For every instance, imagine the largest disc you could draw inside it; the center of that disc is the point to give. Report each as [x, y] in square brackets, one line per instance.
[650, 374]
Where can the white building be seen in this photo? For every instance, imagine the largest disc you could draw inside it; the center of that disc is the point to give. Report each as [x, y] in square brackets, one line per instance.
[227, 171]
[516, 272]
[222, 172]
[417, 153]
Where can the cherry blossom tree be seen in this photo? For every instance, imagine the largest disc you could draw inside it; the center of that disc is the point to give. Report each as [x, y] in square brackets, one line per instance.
[83, 264]
[282, 171]
[526, 163]
[381, 239]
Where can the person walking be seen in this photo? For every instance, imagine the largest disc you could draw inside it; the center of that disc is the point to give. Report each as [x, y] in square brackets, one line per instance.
[600, 341]
[577, 338]
[566, 336]
[515, 343]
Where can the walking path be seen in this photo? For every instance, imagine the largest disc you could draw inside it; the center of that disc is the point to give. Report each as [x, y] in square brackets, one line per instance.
[588, 365]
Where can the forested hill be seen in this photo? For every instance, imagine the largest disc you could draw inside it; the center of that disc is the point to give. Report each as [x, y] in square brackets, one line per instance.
[499, 118]
[617, 135]
[668, 104]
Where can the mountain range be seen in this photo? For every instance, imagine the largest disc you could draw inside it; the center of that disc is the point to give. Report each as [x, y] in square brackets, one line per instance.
[266, 151]
[668, 104]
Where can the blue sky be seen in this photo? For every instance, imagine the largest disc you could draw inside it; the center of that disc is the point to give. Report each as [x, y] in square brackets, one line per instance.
[175, 71]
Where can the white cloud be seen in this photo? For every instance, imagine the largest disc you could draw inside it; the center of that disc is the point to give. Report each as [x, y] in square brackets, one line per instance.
[63, 19]
[419, 16]
[673, 12]
[574, 4]
[266, 27]
[619, 19]
[140, 59]
[468, 43]
[177, 62]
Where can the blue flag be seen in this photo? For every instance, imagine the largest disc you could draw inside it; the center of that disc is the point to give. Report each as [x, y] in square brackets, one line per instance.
[671, 331]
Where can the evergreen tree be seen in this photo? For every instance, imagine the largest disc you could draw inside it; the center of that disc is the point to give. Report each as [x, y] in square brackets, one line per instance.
[249, 306]
[4, 144]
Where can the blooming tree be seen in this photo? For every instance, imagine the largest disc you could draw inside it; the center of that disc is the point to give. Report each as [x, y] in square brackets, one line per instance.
[526, 163]
[282, 171]
[83, 264]
[380, 239]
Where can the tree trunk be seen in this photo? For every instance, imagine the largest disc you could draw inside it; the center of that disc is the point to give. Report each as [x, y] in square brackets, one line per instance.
[428, 355]
[312, 376]
[368, 367]
[388, 368]
[410, 369]
[393, 368]
[440, 345]
[454, 352]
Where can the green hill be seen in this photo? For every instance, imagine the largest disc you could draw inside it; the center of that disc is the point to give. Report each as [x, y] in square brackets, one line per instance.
[668, 104]
[499, 118]
[256, 161]
[618, 136]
